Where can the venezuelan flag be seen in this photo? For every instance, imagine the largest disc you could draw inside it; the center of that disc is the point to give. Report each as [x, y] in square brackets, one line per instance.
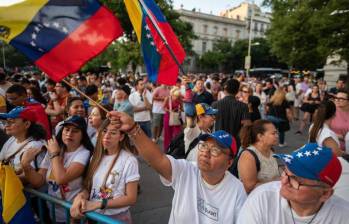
[160, 65]
[59, 36]
[14, 207]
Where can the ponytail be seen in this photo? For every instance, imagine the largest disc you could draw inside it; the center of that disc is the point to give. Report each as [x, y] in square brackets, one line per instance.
[326, 110]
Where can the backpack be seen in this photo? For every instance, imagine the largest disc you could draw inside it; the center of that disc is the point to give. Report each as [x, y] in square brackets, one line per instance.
[177, 147]
[234, 167]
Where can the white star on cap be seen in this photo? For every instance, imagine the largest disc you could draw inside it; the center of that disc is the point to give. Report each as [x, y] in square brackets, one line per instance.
[299, 154]
[307, 153]
[319, 148]
[316, 153]
[287, 160]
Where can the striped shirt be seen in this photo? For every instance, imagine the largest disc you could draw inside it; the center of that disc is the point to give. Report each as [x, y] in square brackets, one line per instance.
[230, 115]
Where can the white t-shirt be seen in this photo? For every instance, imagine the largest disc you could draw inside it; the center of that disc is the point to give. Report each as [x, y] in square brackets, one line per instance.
[135, 100]
[124, 171]
[82, 156]
[325, 133]
[194, 201]
[341, 189]
[265, 206]
[11, 146]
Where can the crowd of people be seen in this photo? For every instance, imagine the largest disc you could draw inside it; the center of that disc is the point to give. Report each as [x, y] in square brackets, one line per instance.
[212, 138]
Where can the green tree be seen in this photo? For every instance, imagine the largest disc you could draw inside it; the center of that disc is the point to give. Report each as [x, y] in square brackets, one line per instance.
[304, 33]
[13, 58]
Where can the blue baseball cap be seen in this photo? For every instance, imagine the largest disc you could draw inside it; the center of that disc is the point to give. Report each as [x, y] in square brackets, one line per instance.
[26, 113]
[313, 162]
[203, 108]
[76, 121]
[223, 138]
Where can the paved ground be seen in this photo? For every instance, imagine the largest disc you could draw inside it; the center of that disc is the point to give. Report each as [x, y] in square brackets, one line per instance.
[154, 202]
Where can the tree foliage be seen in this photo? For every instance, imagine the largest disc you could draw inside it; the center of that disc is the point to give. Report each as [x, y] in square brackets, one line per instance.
[304, 33]
[226, 57]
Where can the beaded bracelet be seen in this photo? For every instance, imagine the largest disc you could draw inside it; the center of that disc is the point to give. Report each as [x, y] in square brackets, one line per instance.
[134, 131]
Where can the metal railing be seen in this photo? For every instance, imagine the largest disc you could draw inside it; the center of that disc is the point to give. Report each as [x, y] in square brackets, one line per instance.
[42, 198]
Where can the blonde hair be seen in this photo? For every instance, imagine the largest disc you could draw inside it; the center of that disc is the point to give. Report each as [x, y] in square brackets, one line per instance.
[278, 97]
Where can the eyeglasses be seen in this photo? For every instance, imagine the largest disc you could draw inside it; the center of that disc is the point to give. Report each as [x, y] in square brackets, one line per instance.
[340, 99]
[295, 182]
[213, 150]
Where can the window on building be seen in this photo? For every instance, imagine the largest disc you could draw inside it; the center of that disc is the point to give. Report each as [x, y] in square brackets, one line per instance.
[255, 26]
[205, 28]
[204, 46]
[225, 32]
[237, 34]
[215, 30]
[262, 28]
[238, 17]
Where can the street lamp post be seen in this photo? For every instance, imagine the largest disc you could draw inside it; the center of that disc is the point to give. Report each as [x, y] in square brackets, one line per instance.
[248, 57]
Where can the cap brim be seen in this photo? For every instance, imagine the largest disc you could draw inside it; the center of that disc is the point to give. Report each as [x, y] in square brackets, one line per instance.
[296, 167]
[204, 137]
[5, 116]
[70, 123]
[211, 112]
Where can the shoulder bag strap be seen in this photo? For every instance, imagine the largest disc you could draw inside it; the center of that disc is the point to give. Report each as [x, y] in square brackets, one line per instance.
[6, 161]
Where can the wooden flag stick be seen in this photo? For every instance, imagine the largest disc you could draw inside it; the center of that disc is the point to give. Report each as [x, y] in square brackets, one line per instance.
[84, 95]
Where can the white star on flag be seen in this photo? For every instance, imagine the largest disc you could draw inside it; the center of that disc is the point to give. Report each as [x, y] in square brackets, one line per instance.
[33, 43]
[47, 25]
[152, 43]
[287, 160]
[37, 29]
[299, 155]
[316, 153]
[55, 24]
[34, 36]
[147, 27]
[307, 153]
[148, 36]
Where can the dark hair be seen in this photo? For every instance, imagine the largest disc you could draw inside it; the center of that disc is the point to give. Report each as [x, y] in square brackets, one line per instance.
[85, 140]
[50, 82]
[248, 133]
[36, 131]
[35, 84]
[37, 95]
[345, 91]
[326, 110]
[18, 89]
[137, 81]
[65, 86]
[82, 78]
[91, 89]
[232, 86]
[72, 99]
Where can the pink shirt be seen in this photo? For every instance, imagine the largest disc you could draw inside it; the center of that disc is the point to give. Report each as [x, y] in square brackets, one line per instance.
[340, 124]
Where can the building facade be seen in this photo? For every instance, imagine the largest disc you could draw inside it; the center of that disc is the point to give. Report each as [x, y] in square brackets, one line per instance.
[231, 24]
[243, 12]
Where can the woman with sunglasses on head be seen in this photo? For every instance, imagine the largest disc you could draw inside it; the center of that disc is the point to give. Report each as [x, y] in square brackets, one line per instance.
[64, 164]
[110, 186]
[340, 123]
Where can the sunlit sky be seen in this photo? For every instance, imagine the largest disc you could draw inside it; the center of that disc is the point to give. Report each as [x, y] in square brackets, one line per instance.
[207, 6]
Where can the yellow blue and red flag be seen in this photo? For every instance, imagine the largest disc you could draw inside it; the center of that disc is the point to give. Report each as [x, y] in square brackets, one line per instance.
[160, 65]
[59, 36]
[14, 206]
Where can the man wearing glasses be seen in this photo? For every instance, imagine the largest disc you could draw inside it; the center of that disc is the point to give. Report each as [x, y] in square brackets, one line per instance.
[304, 194]
[204, 192]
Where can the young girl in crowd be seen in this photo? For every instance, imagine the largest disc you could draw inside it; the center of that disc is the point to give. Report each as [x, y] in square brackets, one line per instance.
[64, 164]
[257, 141]
[95, 120]
[111, 183]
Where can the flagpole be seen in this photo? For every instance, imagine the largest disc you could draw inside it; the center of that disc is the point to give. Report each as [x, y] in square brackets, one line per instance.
[84, 95]
[163, 38]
